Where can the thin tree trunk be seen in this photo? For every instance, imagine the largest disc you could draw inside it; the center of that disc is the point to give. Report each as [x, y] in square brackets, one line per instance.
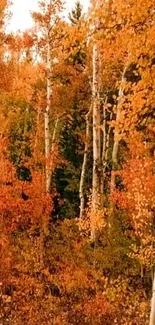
[103, 145]
[96, 132]
[107, 143]
[84, 167]
[46, 117]
[54, 133]
[117, 134]
[104, 131]
[36, 133]
[53, 142]
[152, 314]
[105, 153]
[96, 138]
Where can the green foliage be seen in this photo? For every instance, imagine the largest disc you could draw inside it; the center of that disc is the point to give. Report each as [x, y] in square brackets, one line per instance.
[76, 13]
[67, 178]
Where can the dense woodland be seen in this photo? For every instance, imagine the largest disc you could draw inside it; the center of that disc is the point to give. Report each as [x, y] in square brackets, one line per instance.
[77, 172]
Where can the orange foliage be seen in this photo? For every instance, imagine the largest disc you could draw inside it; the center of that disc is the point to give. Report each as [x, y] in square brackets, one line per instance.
[50, 273]
[138, 199]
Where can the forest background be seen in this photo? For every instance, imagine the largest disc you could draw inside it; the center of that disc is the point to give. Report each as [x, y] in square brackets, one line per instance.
[77, 178]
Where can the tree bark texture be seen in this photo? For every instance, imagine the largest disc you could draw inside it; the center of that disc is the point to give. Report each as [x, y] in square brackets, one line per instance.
[84, 167]
[46, 117]
[117, 133]
[96, 181]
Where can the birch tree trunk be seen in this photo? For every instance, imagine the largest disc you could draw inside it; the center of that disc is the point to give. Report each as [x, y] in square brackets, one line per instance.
[84, 167]
[152, 314]
[117, 134]
[96, 126]
[46, 21]
[96, 138]
[52, 149]
[46, 117]
[104, 141]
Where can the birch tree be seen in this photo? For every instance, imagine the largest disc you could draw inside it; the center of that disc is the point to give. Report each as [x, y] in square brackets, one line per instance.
[96, 125]
[117, 132]
[47, 18]
[46, 114]
[84, 167]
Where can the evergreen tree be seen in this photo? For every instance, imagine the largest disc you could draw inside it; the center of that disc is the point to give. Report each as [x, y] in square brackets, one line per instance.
[76, 13]
[67, 178]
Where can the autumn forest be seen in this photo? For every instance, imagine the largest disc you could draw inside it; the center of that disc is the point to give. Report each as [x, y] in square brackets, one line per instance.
[77, 165]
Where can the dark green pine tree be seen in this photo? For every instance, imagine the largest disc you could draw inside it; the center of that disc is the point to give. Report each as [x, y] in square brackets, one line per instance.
[67, 178]
[76, 13]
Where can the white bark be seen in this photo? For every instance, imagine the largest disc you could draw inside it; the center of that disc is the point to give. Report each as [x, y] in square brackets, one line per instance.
[36, 133]
[104, 131]
[104, 140]
[96, 131]
[52, 148]
[117, 133]
[152, 314]
[46, 117]
[107, 143]
[49, 17]
[84, 167]
[96, 127]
